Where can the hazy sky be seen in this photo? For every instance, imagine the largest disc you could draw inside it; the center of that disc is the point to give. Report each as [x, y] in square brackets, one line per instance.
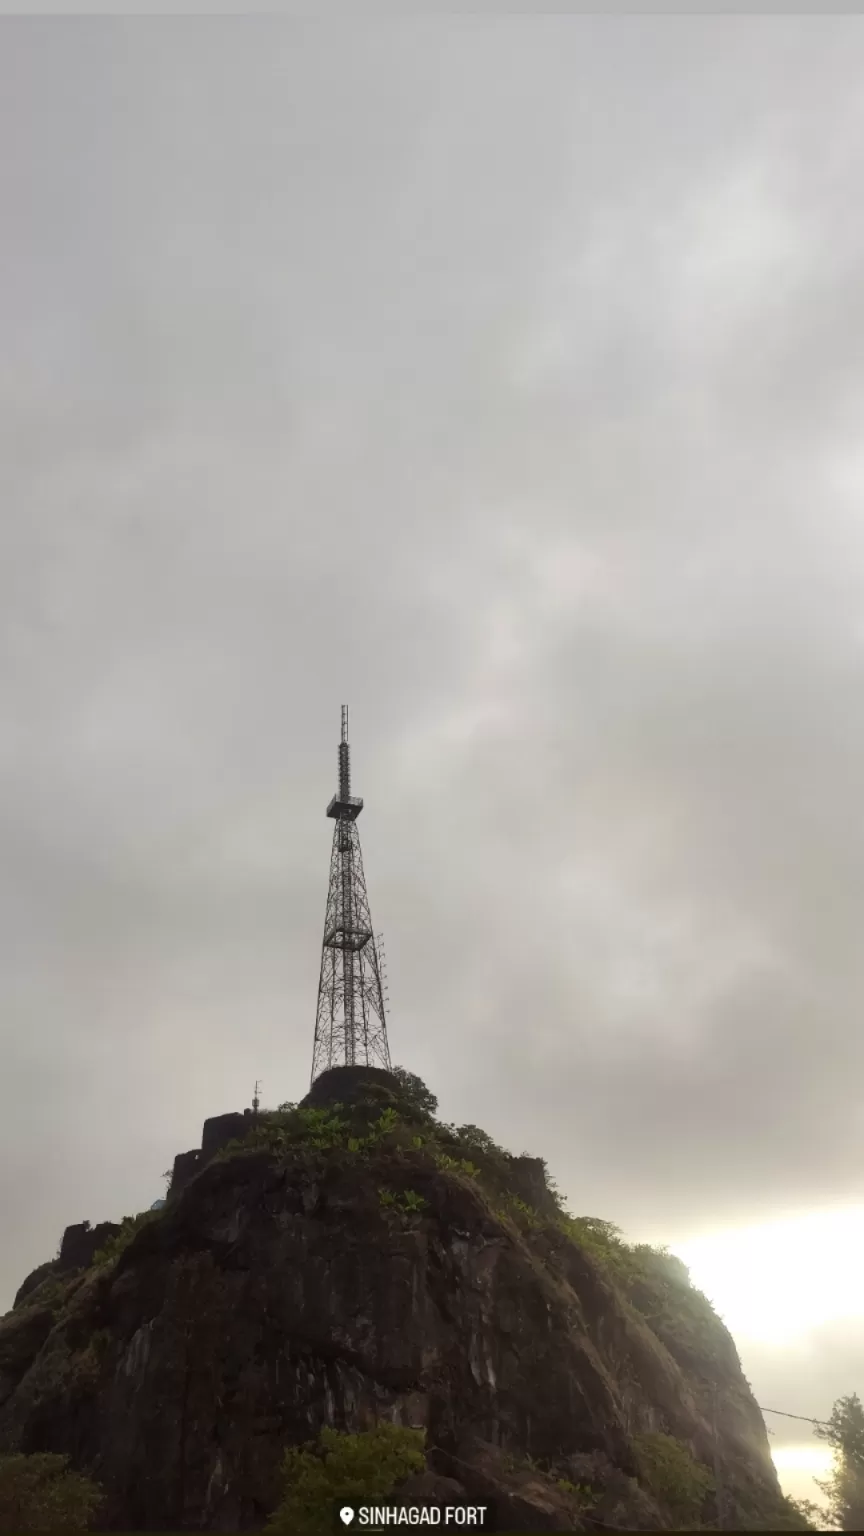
[504, 380]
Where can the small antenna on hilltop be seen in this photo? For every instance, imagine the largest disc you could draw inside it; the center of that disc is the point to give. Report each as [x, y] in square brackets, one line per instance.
[255, 1099]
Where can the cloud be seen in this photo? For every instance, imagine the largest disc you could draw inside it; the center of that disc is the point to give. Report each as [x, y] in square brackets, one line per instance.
[502, 380]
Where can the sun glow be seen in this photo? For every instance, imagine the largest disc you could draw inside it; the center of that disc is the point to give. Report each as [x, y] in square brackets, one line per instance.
[810, 1460]
[777, 1282]
[797, 1468]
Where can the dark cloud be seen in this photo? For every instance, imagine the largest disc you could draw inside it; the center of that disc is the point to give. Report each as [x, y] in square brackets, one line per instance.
[502, 379]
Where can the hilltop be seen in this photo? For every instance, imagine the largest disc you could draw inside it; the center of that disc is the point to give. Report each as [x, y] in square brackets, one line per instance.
[351, 1260]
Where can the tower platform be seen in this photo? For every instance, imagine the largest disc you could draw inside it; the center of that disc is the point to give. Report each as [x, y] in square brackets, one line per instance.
[346, 808]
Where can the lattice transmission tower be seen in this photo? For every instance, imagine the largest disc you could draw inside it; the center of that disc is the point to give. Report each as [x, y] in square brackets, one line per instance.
[351, 1021]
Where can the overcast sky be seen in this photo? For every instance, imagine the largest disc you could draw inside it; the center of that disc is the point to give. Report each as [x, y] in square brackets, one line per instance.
[505, 381]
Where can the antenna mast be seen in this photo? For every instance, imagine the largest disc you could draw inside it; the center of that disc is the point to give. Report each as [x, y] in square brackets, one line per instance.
[351, 1021]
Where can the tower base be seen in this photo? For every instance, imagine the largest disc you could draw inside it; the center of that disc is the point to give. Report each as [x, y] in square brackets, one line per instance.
[344, 1085]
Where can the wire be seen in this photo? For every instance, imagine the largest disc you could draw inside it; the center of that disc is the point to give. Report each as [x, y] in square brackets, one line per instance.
[802, 1416]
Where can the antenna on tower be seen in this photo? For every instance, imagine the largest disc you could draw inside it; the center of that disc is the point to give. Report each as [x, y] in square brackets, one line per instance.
[351, 1017]
[382, 967]
[255, 1099]
[344, 759]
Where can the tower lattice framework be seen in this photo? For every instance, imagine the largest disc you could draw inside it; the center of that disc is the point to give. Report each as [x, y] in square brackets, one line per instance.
[351, 1022]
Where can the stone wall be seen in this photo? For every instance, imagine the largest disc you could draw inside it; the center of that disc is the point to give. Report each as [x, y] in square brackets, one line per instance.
[81, 1242]
[216, 1134]
[219, 1130]
[186, 1165]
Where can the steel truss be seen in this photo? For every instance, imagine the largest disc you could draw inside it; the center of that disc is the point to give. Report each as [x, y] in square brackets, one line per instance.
[351, 1021]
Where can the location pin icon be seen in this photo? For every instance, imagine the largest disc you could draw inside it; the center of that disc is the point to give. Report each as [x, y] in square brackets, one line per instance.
[346, 1515]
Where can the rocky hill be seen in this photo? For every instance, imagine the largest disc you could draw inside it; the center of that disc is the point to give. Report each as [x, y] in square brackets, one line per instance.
[350, 1261]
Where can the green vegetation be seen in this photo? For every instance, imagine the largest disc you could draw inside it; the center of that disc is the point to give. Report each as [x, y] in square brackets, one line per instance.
[669, 1472]
[581, 1494]
[415, 1091]
[40, 1493]
[658, 1285]
[655, 1282]
[121, 1240]
[409, 1202]
[523, 1214]
[88, 1366]
[379, 1119]
[456, 1165]
[796, 1515]
[50, 1293]
[600, 1238]
[360, 1129]
[367, 1465]
[476, 1140]
[401, 1123]
[626, 1262]
[844, 1489]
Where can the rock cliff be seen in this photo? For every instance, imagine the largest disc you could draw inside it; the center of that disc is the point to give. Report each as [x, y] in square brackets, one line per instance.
[339, 1267]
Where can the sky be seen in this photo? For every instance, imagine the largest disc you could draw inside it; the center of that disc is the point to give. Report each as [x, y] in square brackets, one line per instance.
[502, 378]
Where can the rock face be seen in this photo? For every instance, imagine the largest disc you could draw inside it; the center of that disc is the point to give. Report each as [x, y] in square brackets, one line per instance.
[338, 1085]
[80, 1244]
[277, 1294]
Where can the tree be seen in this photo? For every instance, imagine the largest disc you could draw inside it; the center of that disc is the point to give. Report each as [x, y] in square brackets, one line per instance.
[415, 1091]
[844, 1489]
[368, 1465]
[40, 1493]
[481, 1141]
[803, 1515]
